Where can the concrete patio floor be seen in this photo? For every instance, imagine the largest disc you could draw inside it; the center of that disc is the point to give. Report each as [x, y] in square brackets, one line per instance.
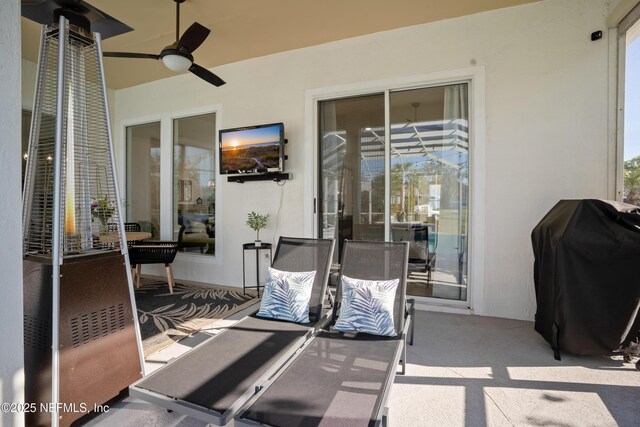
[468, 371]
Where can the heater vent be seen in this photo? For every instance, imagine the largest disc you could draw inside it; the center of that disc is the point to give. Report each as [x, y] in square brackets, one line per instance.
[37, 333]
[97, 324]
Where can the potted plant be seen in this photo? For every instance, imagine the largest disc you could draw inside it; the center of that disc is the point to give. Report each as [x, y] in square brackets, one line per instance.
[102, 208]
[257, 222]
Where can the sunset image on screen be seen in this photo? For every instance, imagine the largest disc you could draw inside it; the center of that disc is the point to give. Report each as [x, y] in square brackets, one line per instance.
[251, 149]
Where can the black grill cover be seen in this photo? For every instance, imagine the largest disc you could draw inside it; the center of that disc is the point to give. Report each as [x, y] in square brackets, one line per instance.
[587, 276]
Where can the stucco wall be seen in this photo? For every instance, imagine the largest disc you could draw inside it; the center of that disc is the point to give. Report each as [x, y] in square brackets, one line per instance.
[11, 354]
[546, 124]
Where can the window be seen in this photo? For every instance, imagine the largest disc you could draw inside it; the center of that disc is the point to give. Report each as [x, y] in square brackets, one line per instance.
[143, 177]
[630, 42]
[410, 177]
[194, 203]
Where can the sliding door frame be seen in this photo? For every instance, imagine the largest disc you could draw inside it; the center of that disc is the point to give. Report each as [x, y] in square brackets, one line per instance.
[475, 78]
[617, 92]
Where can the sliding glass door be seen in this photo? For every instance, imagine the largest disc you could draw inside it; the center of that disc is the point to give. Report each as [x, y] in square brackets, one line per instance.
[430, 186]
[425, 165]
[352, 168]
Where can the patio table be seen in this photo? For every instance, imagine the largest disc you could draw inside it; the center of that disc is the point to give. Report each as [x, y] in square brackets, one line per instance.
[131, 236]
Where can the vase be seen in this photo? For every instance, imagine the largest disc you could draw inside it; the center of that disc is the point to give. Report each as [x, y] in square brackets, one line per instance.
[104, 230]
[257, 243]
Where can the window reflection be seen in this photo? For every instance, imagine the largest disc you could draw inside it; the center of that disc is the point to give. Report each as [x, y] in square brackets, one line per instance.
[194, 182]
[430, 187]
[429, 180]
[143, 177]
[351, 203]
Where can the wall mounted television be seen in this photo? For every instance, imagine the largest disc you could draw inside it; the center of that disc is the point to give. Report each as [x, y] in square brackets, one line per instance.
[252, 149]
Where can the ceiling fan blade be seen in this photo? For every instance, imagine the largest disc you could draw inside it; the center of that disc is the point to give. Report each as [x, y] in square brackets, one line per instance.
[130, 55]
[193, 37]
[206, 75]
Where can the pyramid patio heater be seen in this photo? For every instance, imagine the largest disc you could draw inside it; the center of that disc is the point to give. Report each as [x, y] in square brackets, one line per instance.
[82, 339]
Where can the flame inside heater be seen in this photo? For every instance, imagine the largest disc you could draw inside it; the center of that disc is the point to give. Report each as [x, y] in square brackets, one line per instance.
[70, 215]
[70, 196]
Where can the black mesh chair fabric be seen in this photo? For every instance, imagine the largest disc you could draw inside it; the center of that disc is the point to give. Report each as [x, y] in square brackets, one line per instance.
[159, 252]
[218, 373]
[155, 252]
[300, 254]
[341, 379]
[336, 381]
[376, 261]
[128, 226]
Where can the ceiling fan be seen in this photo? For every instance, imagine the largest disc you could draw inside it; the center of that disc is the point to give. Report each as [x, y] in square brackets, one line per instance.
[178, 56]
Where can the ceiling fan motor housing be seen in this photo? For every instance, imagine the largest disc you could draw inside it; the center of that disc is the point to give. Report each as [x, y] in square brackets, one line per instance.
[172, 50]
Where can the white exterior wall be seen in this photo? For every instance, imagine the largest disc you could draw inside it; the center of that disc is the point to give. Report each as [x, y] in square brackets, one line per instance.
[11, 353]
[546, 116]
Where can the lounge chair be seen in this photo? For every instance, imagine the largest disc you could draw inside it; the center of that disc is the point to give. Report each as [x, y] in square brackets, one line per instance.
[212, 381]
[342, 379]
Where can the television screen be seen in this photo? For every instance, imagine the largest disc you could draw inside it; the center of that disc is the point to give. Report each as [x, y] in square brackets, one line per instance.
[253, 149]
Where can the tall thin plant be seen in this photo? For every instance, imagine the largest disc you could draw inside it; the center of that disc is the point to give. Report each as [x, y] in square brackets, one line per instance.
[257, 222]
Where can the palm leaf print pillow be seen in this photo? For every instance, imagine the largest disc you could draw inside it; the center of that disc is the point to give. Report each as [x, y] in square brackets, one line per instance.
[286, 295]
[367, 306]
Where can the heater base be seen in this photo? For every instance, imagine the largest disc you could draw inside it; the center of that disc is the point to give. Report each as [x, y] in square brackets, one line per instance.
[98, 346]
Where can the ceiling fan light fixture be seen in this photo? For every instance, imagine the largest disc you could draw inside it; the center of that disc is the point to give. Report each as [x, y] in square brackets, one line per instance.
[176, 62]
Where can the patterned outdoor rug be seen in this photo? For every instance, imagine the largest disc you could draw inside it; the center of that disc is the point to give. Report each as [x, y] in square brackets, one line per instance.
[165, 318]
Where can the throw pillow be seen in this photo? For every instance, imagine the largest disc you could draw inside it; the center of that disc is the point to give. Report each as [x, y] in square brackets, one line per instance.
[367, 306]
[286, 295]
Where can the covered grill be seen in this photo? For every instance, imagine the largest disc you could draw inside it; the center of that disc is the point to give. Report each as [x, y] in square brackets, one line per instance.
[586, 277]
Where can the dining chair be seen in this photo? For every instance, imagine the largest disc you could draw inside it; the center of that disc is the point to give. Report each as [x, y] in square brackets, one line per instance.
[155, 252]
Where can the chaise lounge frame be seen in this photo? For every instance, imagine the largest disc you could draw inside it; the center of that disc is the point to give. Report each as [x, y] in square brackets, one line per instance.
[205, 369]
[311, 382]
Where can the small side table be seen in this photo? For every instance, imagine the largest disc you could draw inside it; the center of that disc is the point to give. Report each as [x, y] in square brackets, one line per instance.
[252, 247]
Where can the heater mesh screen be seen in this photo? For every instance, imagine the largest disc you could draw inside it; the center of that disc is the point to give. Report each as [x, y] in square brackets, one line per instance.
[86, 183]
